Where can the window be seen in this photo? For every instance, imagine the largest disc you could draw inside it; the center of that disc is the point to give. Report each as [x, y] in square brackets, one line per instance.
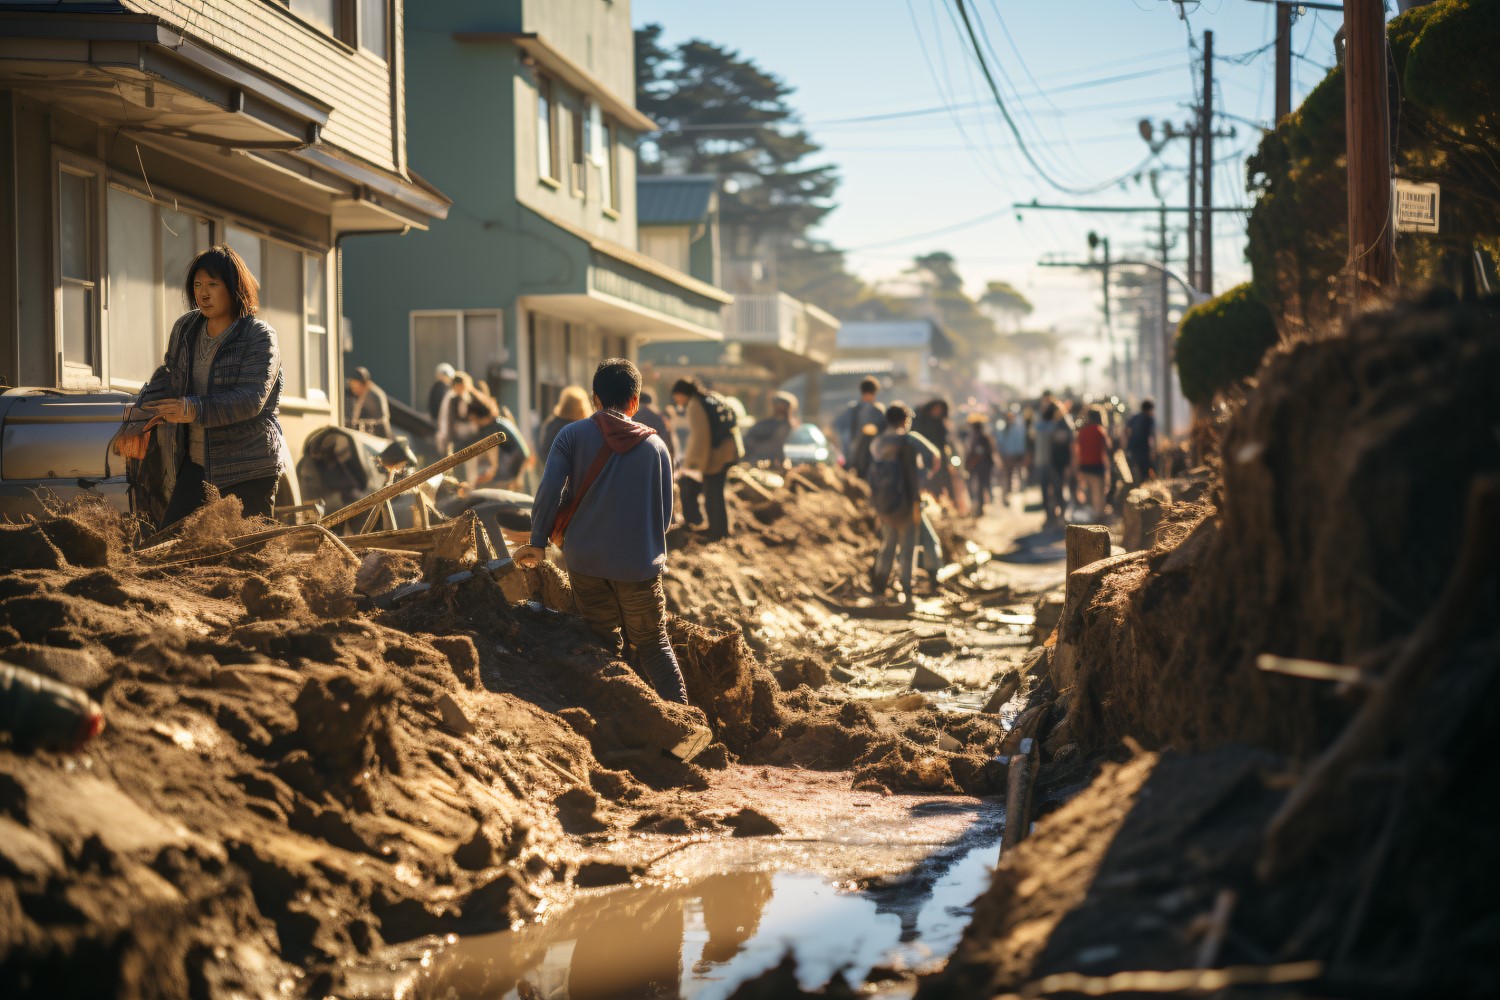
[546, 131]
[469, 341]
[78, 330]
[580, 150]
[365, 23]
[668, 244]
[149, 249]
[294, 301]
[375, 27]
[323, 13]
[609, 166]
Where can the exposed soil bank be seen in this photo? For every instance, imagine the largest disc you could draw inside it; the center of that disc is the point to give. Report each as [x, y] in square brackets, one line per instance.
[1339, 835]
[290, 788]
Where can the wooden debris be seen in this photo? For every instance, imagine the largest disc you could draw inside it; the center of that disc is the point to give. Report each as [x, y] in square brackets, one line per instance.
[412, 481]
[1018, 792]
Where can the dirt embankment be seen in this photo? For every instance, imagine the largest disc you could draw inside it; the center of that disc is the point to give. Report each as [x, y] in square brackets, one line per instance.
[290, 787]
[1325, 823]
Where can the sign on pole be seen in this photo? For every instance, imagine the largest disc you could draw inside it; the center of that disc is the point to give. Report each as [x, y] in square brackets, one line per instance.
[1416, 207]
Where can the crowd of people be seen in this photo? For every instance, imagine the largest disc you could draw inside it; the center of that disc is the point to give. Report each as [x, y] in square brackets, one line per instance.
[612, 465]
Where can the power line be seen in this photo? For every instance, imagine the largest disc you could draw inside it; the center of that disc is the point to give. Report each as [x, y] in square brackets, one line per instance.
[963, 11]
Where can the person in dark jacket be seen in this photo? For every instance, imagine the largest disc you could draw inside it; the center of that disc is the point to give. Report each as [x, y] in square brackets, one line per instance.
[615, 544]
[369, 410]
[441, 383]
[649, 416]
[896, 491]
[765, 441]
[979, 459]
[213, 402]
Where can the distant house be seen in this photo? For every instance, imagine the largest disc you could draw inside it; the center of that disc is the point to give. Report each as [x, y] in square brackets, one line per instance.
[140, 132]
[917, 355]
[769, 337]
[522, 112]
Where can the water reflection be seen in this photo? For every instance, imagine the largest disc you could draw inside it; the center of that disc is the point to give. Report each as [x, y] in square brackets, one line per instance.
[702, 939]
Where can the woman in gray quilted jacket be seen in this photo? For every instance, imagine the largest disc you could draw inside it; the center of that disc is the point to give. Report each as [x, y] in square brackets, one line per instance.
[213, 401]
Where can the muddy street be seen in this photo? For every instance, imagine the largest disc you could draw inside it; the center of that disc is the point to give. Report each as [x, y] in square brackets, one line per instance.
[297, 787]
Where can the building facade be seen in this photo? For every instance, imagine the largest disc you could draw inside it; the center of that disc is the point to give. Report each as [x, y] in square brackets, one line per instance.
[523, 112]
[139, 132]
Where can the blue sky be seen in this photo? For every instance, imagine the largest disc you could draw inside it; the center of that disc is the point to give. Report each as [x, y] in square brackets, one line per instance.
[1078, 76]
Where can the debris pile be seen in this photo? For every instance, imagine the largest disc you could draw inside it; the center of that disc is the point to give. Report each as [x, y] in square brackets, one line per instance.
[301, 777]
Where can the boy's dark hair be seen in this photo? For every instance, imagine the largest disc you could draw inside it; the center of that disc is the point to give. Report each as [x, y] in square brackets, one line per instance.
[897, 415]
[687, 386]
[646, 399]
[1095, 417]
[1147, 406]
[616, 382]
[869, 386]
[229, 267]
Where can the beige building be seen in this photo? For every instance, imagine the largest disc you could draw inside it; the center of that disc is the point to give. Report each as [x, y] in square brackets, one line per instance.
[139, 133]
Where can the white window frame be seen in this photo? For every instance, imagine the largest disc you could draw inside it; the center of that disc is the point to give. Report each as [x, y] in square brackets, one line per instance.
[297, 398]
[169, 284]
[609, 195]
[73, 374]
[549, 173]
[420, 383]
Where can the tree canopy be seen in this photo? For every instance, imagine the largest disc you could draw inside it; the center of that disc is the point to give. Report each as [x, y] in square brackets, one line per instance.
[720, 113]
[1445, 111]
[1221, 342]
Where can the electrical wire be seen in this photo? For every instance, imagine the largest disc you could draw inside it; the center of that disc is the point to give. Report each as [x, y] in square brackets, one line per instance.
[1016, 132]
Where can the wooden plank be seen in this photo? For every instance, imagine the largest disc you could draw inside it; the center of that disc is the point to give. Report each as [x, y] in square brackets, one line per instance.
[412, 481]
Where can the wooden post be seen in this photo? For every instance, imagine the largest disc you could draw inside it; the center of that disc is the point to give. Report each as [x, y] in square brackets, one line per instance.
[1372, 258]
[1085, 544]
[1283, 61]
[1020, 779]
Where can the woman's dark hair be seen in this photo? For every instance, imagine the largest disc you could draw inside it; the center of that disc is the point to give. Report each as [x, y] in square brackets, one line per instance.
[616, 382]
[933, 406]
[230, 269]
[687, 386]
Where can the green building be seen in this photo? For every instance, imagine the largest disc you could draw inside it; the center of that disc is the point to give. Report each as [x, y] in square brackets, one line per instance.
[521, 112]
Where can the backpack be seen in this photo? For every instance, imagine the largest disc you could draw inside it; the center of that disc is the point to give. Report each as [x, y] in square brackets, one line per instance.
[1062, 446]
[887, 482]
[722, 419]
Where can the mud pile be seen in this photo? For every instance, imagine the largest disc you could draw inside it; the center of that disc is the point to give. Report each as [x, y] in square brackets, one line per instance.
[1325, 821]
[286, 788]
[295, 786]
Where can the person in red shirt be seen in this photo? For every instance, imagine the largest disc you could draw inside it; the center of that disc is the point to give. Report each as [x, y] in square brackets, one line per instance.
[1093, 455]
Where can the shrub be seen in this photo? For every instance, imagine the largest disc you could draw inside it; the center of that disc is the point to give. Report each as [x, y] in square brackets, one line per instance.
[1221, 342]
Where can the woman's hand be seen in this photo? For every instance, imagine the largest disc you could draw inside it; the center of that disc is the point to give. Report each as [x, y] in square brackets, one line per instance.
[528, 556]
[174, 411]
[131, 445]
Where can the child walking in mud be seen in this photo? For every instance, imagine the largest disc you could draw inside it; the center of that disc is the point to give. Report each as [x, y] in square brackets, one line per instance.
[606, 499]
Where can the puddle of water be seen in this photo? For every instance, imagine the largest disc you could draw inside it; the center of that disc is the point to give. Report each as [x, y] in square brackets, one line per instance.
[702, 938]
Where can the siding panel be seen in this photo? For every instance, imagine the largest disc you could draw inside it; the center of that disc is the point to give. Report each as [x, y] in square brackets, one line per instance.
[264, 35]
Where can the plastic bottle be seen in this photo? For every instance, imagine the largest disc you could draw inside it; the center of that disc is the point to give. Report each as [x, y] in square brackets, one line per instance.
[39, 713]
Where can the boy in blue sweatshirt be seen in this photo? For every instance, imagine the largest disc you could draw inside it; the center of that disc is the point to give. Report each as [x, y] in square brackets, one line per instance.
[620, 502]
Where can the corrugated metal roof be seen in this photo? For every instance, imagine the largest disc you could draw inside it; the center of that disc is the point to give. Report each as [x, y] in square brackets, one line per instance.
[665, 201]
[909, 333]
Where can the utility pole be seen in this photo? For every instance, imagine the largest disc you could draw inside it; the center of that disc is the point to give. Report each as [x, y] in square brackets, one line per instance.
[1372, 259]
[1166, 333]
[1192, 219]
[1283, 62]
[1206, 276]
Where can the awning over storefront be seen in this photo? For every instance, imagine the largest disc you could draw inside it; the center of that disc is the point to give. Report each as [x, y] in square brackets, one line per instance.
[137, 74]
[623, 290]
